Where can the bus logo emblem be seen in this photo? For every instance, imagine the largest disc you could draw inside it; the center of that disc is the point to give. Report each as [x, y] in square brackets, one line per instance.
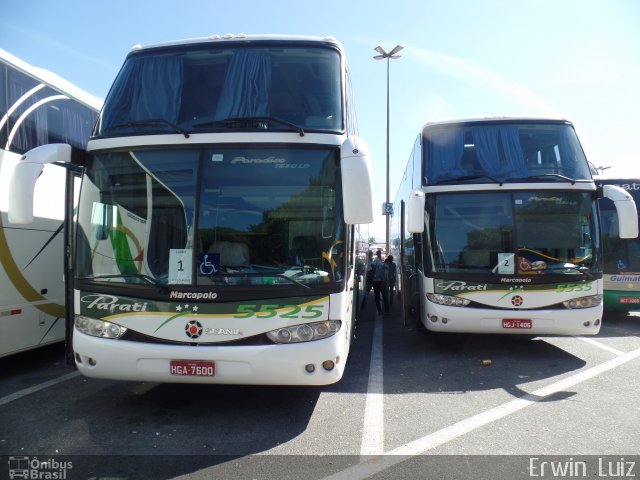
[193, 329]
[517, 301]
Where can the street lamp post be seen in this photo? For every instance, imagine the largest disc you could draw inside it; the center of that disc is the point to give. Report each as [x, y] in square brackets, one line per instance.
[384, 55]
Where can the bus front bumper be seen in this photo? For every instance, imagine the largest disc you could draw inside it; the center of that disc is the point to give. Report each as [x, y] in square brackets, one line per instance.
[621, 301]
[584, 321]
[291, 364]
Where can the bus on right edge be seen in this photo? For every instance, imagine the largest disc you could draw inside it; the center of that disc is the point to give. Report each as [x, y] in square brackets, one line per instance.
[621, 258]
[496, 229]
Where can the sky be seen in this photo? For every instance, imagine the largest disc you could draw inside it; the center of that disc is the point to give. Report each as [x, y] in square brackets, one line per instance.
[572, 58]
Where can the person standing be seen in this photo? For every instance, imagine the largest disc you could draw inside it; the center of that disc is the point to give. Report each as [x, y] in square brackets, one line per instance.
[392, 276]
[380, 283]
[368, 277]
[369, 272]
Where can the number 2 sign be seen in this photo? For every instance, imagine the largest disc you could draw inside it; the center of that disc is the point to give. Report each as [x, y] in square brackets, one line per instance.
[506, 263]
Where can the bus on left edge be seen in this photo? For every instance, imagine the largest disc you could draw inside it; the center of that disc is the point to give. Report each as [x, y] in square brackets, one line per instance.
[37, 107]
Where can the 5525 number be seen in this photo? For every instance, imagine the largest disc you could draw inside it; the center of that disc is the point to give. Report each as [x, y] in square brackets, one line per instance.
[285, 311]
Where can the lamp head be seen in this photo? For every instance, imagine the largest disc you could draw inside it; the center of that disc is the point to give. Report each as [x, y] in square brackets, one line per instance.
[380, 50]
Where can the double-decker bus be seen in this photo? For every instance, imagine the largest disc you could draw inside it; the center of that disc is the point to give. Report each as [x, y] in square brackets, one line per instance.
[621, 257]
[497, 229]
[217, 216]
[36, 107]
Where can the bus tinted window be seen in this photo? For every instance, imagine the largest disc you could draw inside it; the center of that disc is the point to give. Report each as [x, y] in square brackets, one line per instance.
[202, 89]
[502, 151]
[40, 114]
[3, 101]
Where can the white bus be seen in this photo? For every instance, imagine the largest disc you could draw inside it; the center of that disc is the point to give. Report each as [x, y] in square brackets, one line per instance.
[216, 220]
[36, 107]
[497, 229]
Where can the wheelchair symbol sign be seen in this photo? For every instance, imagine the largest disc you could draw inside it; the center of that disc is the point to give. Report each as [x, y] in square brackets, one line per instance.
[209, 263]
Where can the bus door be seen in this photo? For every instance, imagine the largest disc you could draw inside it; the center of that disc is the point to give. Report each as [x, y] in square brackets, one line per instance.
[74, 172]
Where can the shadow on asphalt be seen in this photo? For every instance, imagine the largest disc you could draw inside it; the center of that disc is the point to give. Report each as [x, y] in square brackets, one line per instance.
[418, 361]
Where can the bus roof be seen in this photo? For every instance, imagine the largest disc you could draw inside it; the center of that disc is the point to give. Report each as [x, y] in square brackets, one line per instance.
[626, 183]
[53, 80]
[242, 37]
[497, 118]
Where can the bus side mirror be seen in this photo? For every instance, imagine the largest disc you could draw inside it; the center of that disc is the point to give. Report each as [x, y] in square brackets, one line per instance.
[357, 194]
[626, 209]
[25, 175]
[415, 212]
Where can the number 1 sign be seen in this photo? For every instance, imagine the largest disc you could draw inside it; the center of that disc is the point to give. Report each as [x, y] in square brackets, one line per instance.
[180, 265]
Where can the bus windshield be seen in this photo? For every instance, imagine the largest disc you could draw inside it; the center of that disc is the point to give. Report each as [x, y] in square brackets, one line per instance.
[230, 86]
[513, 233]
[503, 151]
[214, 215]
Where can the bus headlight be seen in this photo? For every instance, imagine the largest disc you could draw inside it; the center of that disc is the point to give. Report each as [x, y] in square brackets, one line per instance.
[306, 332]
[583, 302]
[98, 328]
[448, 300]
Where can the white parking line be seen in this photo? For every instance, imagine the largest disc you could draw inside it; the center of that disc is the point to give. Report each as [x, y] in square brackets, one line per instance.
[428, 442]
[615, 351]
[373, 428]
[36, 388]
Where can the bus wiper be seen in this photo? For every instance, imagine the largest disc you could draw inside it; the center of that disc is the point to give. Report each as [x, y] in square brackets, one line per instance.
[277, 274]
[137, 276]
[255, 121]
[584, 271]
[469, 177]
[547, 176]
[151, 122]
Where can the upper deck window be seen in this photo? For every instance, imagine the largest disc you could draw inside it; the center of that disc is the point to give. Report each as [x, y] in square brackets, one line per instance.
[33, 113]
[215, 88]
[486, 152]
